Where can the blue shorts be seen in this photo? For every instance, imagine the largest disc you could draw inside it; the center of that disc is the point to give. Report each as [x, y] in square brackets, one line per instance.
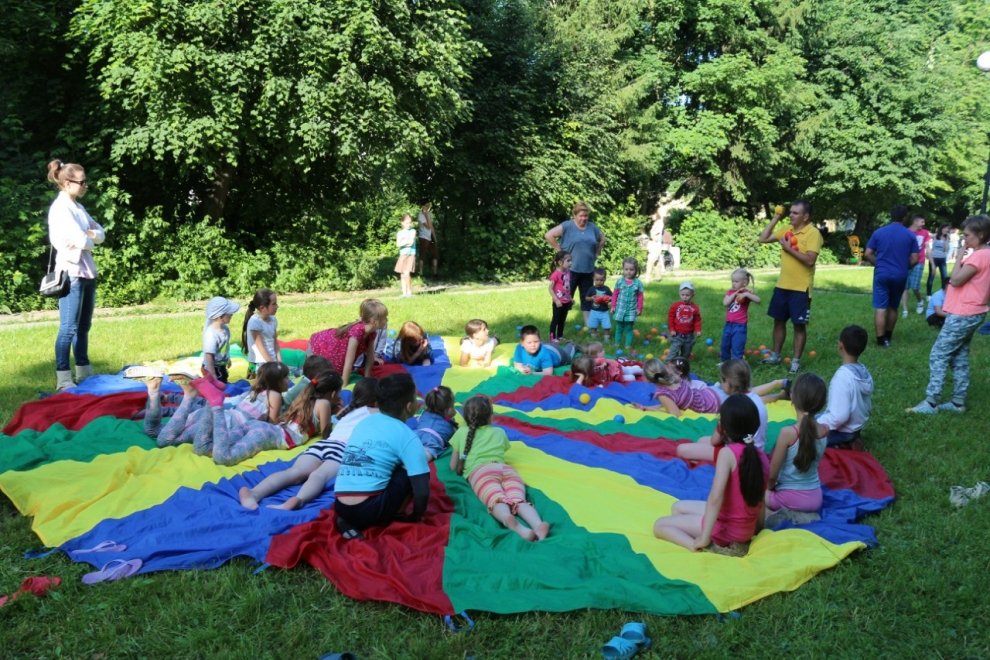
[599, 320]
[786, 304]
[887, 291]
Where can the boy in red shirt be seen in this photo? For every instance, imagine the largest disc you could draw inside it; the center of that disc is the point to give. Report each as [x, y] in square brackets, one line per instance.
[683, 322]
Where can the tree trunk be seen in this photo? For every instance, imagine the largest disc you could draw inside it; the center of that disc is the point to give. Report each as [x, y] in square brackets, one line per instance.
[216, 198]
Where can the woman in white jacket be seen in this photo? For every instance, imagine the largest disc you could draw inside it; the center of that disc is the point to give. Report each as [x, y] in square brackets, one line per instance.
[73, 233]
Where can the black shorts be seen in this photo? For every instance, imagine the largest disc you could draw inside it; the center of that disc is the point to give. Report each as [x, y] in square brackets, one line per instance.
[377, 510]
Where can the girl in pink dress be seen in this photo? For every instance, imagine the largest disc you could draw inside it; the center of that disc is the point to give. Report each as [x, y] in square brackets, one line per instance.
[342, 345]
[734, 508]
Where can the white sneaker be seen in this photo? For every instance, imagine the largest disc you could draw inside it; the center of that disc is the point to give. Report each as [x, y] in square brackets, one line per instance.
[920, 308]
[904, 314]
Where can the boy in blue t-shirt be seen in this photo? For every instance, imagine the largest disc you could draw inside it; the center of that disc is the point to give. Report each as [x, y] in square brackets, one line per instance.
[384, 464]
[531, 356]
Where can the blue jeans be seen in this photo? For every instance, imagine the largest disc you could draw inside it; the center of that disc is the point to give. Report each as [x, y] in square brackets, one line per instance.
[733, 341]
[75, 313]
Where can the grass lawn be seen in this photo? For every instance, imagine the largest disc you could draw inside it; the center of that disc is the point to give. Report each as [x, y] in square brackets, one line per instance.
[922, 592]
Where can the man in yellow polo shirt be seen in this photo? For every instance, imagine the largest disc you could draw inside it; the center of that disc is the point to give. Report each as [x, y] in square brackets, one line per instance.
[799, 248]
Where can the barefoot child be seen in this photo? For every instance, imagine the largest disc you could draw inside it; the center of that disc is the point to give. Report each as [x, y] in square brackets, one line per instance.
[479, 451]
[318, 465]
[477, 345]
[794, 482]
[734, 508]
[676, 394]
[216, 336]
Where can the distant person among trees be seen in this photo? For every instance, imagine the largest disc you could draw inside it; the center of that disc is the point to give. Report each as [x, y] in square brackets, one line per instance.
[405, 266]
[73, 233]
[654, 248]
[667, 245]
[923, 237]
[799, 248]
[584, 241]
[427, 239]
[893, 250]
[938, 254]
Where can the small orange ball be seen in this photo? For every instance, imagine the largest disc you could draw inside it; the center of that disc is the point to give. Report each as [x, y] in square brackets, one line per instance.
[763, 347]
[635, 333]
[812, 354]
[787, 360]
[654, 330]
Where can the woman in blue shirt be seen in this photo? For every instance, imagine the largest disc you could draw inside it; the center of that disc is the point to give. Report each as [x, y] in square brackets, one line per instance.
[584, 241]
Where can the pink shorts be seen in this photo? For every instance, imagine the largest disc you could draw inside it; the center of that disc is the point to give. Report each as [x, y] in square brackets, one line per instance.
[497, 483]
[795, 500]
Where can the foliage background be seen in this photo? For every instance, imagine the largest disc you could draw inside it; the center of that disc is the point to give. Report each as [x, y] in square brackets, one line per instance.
[236, 144]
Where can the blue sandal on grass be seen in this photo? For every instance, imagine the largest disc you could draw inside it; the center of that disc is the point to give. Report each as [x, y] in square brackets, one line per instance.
[635, 632]
[619, 647]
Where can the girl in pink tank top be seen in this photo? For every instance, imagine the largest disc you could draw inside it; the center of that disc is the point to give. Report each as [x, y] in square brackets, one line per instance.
[734, 508]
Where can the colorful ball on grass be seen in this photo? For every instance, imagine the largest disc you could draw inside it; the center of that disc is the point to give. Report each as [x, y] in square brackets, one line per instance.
[619, 419]
[649, 356]
[618, 352]
[711, 349]
[812, 353]
[654, 330]
[577, 326]
[709, 341]
[787, 360]
[763, 347]
[585, 399]
[646, 342]
[584, 329]
[635, 333]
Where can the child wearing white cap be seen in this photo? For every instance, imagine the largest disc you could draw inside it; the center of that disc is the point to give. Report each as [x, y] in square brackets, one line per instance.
[683, 322]
[216, 336]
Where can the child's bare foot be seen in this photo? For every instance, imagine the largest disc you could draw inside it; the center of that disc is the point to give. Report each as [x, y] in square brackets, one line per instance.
[542, 531]
[289, 505]
[247, 499]
[186, 385]
[521, 530]
[154, 385]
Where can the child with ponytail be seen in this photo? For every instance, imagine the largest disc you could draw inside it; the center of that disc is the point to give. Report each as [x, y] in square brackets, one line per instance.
[734, 508]
[259, 335]
[479, 451]
[794, 482]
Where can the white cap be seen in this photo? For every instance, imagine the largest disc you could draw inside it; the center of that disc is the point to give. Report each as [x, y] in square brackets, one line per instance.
[218, 306]
[686, 284]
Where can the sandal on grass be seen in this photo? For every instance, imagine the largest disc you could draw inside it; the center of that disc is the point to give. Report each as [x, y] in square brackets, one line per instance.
[118, 569]
[619, 647]
[635, 632]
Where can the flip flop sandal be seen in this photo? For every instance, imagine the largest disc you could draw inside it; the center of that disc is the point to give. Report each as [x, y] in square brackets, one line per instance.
[619, 647]
[352, 534]
[118, 569]
[635, 632]
[105, 546]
